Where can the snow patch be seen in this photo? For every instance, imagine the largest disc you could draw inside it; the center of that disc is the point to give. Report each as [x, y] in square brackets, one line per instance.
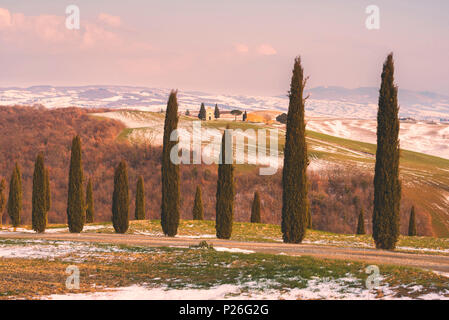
[340, 289]
[234, 250]
[41, 249]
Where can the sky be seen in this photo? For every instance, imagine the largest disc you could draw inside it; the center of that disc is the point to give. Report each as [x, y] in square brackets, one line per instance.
[228, 46]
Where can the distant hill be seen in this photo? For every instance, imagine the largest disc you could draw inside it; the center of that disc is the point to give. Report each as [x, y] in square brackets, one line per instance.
[338, 102]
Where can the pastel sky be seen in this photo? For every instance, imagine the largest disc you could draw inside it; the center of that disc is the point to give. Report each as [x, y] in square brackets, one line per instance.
[226, 46]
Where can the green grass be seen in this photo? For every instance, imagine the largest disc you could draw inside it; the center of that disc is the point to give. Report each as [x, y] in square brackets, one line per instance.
[202, 267]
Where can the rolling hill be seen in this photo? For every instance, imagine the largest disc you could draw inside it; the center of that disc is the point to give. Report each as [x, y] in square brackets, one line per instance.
[425, 177]
[336, 102]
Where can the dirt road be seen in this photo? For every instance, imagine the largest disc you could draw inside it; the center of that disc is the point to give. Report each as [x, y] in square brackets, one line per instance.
[425, 261]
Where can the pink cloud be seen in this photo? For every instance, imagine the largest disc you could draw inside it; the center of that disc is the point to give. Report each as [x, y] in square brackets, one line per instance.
[18, 29]
[21, 31]
[241, 48]
[110, 20]
[95, 35]
[5, 19]
[266, 50]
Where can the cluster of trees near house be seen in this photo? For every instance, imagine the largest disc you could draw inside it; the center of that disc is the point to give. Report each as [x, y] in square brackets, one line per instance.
[202, 113]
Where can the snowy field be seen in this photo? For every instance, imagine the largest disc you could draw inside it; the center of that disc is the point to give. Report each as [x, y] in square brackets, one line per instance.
[341, 289]
[148, 128]
[344, 287]
[51, 250]
[420, 136]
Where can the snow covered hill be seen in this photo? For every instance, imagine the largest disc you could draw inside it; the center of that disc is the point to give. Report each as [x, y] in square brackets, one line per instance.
[337, 102]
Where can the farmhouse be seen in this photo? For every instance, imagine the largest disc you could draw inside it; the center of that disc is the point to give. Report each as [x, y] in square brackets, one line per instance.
[209, 114]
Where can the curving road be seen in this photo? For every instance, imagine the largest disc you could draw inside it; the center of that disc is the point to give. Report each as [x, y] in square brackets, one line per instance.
[437, 263]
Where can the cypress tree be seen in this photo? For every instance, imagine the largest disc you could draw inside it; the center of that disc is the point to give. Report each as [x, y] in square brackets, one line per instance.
[90, 210]
[202, 113]
[139, 213]
[225, 188]
[387, 187]
[412, 224]
[170, 172]
[361, 223]
[39, 197]
[198, 213]
[2, 200]
[47, 190]
[14, 205]
[255, 208]
[120, 199]
[245, 116]
[216, 112]
[76, 212]
[294, 180]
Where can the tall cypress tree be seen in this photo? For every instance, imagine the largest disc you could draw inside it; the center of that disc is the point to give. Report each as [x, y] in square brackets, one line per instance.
[170, 172]
[76, 212]
[255, 208]
[361, 223]
[202, 113]
[47, 190]
[90, 209]
[387, 187]
[197, 211]
[39, 197]
[294, 179]
[216, 112]
[14, 205]
[120, 199]
[139, 212]
[412, 223]
[2, 199]
[224, 206]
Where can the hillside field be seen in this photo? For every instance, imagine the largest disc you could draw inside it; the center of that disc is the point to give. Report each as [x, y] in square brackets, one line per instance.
[425, 178]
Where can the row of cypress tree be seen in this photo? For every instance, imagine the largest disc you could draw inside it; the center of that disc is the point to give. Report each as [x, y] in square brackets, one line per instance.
[296, 215]
[78, 212]
[41, 198]
[170, 179]
[411, 226]
[198, 211]
[387, 186]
